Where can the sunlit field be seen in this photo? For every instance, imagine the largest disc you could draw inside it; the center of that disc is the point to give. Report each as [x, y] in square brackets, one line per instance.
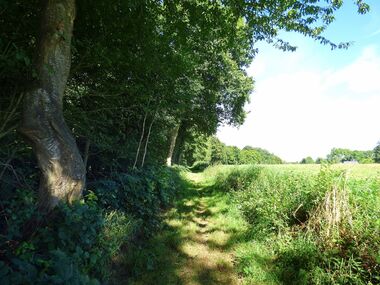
[307, 224]
[352, 170]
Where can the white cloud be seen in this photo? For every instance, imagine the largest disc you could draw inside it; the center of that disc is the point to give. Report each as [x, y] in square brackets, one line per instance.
[299, 110]
[361, 76]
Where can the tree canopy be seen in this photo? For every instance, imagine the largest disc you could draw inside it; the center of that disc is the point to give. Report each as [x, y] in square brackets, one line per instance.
[376, 153]
[141, 69]
[338, 155]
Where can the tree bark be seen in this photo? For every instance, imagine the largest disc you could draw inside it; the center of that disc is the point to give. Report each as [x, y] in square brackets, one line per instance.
[43, 124]
[86, 154]
[173, 139]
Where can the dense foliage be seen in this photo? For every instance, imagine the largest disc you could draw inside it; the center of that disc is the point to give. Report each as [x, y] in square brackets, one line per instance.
[139, 68]
[376, 153]
[322, 229]
[76, 244]
[343, 155]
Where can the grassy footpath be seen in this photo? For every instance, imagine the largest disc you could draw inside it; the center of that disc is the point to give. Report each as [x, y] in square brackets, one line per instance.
[196, 245]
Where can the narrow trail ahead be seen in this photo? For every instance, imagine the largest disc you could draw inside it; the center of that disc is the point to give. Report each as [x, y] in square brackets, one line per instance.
[194, 247]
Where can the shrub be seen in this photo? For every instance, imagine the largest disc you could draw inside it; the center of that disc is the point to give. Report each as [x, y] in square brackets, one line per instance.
[295, 259]
[75, 245]
[199, 166]
[141, 194]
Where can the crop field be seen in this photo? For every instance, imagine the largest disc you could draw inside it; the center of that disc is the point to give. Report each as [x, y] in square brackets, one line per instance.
[353, 170]
[305, 224]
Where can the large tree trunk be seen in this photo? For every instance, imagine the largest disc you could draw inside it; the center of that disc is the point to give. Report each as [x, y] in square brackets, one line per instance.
[173, 139]
[63, 172]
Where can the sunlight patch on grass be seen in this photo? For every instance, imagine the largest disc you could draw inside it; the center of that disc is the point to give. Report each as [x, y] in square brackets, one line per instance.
[219, 239]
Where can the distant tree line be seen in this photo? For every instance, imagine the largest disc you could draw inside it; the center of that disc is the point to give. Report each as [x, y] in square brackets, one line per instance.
[212, 151]
[341, 155]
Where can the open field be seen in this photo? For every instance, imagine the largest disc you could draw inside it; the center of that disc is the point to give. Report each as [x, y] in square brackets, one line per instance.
[306, 224]
[353, 170]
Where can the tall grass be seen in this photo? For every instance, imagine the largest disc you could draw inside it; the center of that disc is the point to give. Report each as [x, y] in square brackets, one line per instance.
[317, 227]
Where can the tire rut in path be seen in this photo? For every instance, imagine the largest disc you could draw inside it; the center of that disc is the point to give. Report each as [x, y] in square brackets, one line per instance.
[206, 263]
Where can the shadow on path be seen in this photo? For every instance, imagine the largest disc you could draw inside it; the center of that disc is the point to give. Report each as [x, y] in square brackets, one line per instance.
[191, 249]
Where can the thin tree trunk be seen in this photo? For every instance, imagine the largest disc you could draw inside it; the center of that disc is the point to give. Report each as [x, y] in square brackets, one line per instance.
[141, 139]
[147, 139]
[63, 172]
[177, 153]
[173, 138]
[9, 116]
[86, 154]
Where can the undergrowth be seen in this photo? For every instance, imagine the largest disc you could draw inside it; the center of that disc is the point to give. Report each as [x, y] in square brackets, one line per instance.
[76, 244]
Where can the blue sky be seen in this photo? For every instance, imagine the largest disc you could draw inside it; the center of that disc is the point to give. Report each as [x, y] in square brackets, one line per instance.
[314, 99]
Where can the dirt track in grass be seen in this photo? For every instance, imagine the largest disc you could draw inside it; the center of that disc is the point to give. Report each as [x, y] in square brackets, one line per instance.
[193, 248]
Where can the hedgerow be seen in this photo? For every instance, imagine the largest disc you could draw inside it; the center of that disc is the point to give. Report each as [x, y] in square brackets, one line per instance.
[75, 244]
